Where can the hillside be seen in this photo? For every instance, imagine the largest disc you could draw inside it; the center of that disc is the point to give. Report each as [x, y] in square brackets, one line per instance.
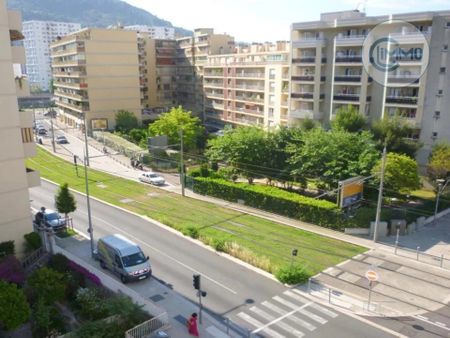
[90, 13]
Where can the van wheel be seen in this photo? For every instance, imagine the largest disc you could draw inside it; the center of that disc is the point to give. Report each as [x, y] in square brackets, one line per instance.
[102, 265]
[123, 279]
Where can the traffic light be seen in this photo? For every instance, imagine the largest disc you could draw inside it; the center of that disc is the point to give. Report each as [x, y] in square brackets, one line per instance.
[196, 282]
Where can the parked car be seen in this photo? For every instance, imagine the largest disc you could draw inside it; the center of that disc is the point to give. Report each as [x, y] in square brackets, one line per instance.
[54, 220]
[61, 139]
[123, 257]
[42, 131]
[152, 178]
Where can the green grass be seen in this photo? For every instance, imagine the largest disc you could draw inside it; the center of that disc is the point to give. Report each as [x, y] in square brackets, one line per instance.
[268, 241]
[66, 233]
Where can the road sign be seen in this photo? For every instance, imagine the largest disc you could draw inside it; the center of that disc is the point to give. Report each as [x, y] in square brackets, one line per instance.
[371, 275]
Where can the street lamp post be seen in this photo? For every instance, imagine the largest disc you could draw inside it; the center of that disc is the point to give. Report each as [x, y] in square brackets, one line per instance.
[442, 184]
[380, 197]
[88, 202]
[86, 140]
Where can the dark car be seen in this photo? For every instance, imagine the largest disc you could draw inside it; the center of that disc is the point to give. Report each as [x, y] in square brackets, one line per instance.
[61, 139]
[54, 220]
[42, 131]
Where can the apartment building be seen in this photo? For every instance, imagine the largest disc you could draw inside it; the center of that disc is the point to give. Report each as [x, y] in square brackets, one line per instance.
[248, 87]
[192, 56]
[157, 71]
[154, 32]
[16, 135]
[330, 68]
[96, 73]
[38, 36]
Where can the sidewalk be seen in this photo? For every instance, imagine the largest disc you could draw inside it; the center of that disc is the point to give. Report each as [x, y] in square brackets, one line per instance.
[155, 296]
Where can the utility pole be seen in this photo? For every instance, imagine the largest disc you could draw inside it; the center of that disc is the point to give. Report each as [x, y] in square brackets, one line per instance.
[86, 140]
[90, 229]
[53, 135]
[380, 196]
[181, 163]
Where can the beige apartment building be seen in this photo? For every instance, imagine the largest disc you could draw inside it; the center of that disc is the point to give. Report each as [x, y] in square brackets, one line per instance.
[248, 87]
[192, 56]
[329, 70]
[96, 73]
[16, 134]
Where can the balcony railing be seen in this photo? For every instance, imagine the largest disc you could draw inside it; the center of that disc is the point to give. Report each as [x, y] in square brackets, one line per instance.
[347, 78]
[257, 75]
[406, 78]
[250, 111]
[214, 95]
[306, 78]
[70, 95]
[302, 95]
[305, 114]
[73, 85]
[402, 99]
[69, 74]
[250, 99]
[308, 59]
[348, 58]
[249, 87]
[346, 97]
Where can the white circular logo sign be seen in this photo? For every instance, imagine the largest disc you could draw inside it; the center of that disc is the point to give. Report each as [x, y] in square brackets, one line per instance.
[397, 52]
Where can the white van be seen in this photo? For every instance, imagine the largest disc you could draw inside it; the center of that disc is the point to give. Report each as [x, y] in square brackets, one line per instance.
[123, 257]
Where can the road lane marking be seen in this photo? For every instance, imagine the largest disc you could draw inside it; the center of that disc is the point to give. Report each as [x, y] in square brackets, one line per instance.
[422, 318]
[163, 253]
[284, 326]
[257, 323]
[441, 324]
[293, 318]
[314, 305]
[303, 311]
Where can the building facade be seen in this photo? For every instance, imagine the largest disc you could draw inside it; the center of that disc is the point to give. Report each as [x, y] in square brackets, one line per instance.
[192, 55]
[38, 36]
[328, 71]
[96, 74]
[16, 135]
[154, 32]
[248, 87]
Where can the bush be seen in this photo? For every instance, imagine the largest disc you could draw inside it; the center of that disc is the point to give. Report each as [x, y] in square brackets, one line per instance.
[14, 309]
[59, 263]
[100, 329]
[46, 321]
[7, 248]
[33, 241]
[47, 284]
[293, 274]
[219, 244]
[85, 272]
[90, 304]
[11, 270]
[131, 313]
[273, 199]
[204, 171]
[191, 231]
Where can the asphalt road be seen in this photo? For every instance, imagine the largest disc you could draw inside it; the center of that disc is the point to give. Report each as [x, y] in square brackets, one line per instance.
[233, 291]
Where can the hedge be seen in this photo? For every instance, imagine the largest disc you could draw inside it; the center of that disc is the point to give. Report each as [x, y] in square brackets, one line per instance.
[273, 199]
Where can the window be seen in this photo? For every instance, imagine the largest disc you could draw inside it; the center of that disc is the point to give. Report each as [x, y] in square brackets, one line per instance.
[445, 48]
[434, 135]
[440, 92]
[271, 99]
[272, 73]
[442, 70]
[271, 86]
[448, 24]
[437, 114]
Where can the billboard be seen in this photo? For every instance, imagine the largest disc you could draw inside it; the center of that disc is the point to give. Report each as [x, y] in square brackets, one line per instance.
[351, 191]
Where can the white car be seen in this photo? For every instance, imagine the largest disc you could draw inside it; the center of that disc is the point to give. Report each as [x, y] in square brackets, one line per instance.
[152, 178]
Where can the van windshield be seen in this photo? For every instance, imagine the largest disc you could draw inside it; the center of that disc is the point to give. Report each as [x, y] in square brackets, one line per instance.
[134, 259]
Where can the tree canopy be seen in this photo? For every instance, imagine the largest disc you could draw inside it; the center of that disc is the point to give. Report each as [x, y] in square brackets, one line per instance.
[125, 121]
[172, 122]
[349, 119]
[14, 308]
[439, 161]
[401, 173]
[65, 200]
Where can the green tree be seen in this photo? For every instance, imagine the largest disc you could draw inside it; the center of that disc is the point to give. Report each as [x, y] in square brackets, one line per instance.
[349, 119]
[172, 122]
[401, 173]
[439, 161]
[47, 284]
[65, 200]
[307, 124]
[393, 132]
[244, 148]
[332, 156]
[125, 121]
[14, 308]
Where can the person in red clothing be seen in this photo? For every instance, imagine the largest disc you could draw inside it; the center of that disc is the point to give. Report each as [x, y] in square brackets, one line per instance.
[192, 325]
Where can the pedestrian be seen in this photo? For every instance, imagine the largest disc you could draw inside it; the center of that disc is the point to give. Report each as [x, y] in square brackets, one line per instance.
[39, 218]
[192, 325]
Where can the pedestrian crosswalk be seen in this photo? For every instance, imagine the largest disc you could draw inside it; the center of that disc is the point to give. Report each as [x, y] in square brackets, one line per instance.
[286, 315]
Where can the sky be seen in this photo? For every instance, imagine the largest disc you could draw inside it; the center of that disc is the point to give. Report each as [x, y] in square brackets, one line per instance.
[269, 20]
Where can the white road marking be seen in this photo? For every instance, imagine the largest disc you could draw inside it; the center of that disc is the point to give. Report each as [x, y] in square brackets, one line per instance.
[303, 311]
[440, 324]
[422, 318]
[215, 332]
[293, 318]
[162, 253]
[284, 326]
[257, 323]
[313, 305]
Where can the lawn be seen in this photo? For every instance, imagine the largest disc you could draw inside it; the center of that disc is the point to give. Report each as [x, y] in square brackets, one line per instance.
[261, 242]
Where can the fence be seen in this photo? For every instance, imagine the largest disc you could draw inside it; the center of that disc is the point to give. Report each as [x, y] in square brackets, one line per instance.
[149, 327]
[423, 257]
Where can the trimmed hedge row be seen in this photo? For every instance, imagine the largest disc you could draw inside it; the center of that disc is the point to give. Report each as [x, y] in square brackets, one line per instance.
[273, 199]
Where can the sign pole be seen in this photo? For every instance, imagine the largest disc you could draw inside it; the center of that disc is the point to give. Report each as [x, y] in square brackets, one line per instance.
[370, 296]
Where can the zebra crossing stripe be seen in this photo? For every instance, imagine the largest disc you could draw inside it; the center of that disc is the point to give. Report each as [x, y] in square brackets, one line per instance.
[296, 320]
[313, 305]
[284, 326]
[257, 323]
[301, 310]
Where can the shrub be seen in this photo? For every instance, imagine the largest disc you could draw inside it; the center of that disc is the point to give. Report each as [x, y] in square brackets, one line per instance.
[47, 284]
[11, 270]
[14, 309]
[204, 171]
[219, 244]
[85, 272]
[90, 304]
[293, 274]
[7, 248]
[273, 199]
[131, 313]
[246, 255]
[191, 231]
[46, 321]
[33, 241]
[59, 263]
[100, 329]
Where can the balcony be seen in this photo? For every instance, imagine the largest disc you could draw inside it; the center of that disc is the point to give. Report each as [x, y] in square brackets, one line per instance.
[249, 87]
[78, 97]
[348, 59]
[347, 78]
[69, 74]
[215, 105]
[214, 95]
[214, 84]
[409, 100]
[72, 85]
[346, 97]
[249, 99]
[302, 95]
[210, 74]
[67, 63]
[350, 40]
[68, 51]
[305, 114]
[33, 178]
[308, 59]
[254, 75]
[250, 111]
[402, 79]
[250, 122]
[73, 107]
[306, 78]
[308, 42]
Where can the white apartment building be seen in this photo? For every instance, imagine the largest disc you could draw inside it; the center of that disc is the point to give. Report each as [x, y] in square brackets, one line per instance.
[154, 32]
[330, 69]
[16, 135]
[38, 36]
[248, 87]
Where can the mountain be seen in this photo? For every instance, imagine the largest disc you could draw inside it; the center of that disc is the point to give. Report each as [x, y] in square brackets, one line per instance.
[89, 13]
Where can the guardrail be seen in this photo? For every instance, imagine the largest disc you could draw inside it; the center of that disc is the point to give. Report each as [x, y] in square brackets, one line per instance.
[149, 327]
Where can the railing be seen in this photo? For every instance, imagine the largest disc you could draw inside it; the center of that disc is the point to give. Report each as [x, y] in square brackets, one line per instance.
[414, 78]
[258, 75]
[250, 111]
[302, 95]
[252, 99]
[421, 256]
[348, 58]
[34, 257]
[346, 97]
[347, 78]
[402, 99]
[307, 78]
[147, 328]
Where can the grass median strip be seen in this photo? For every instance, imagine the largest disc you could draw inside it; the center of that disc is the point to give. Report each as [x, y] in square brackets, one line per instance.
[261, 242]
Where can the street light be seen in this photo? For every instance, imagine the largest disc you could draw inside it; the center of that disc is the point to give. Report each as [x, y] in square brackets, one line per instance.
[442, 184]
